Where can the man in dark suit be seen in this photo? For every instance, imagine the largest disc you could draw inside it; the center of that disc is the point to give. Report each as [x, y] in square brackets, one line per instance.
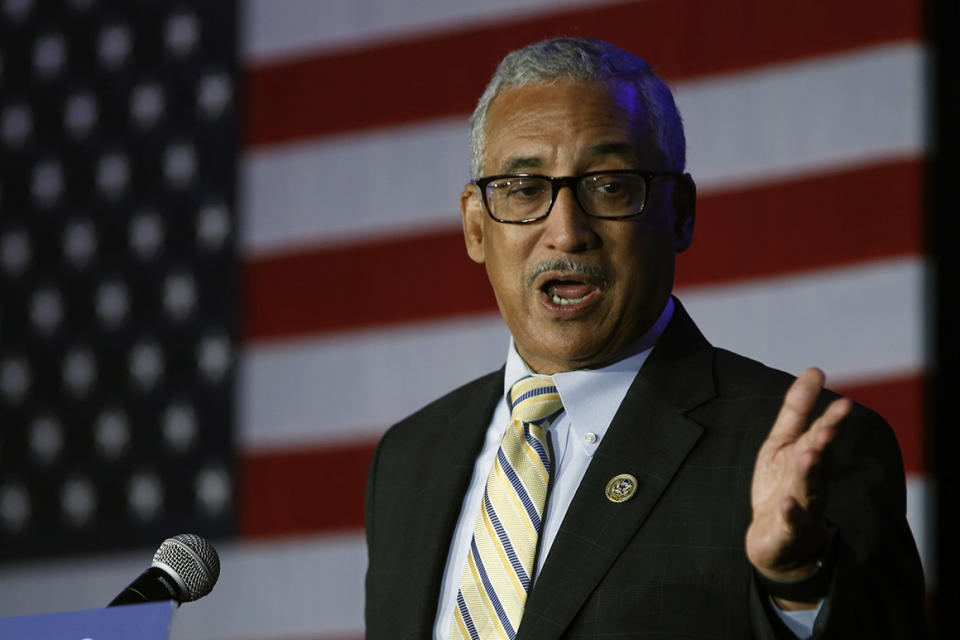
[693, 493]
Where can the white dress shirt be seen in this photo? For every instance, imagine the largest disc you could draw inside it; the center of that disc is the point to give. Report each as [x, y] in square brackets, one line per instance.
[590, 399]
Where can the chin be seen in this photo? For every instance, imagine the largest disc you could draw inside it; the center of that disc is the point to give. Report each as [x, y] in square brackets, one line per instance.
[561, 358]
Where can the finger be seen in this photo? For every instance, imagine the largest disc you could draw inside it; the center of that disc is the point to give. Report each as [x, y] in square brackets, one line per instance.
[808, 478]
[825, 428]
[815, 451]
[798, 402]
[835, 413]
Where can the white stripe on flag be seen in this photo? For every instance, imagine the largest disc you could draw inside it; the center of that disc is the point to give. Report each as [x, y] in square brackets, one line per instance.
[288, 396]
[808, 116]
[859, 323]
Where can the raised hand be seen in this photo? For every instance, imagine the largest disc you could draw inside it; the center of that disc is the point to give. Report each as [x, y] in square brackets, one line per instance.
[788, 533]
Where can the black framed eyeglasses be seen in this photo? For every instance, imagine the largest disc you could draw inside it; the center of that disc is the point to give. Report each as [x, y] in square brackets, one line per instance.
[520, 198]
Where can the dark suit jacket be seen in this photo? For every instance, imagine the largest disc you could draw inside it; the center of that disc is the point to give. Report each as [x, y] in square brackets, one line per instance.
[670, 562]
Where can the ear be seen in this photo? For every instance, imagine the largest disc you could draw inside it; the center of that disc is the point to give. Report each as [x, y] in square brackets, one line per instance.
[471, 210]
[684, 212]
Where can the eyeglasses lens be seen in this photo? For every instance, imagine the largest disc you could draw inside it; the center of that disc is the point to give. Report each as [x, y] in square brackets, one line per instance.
[521, 198]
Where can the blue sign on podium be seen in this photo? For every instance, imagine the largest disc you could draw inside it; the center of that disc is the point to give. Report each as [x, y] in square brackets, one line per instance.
[148, 621]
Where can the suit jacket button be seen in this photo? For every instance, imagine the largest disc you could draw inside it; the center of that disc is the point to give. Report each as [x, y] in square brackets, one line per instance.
[621, 487]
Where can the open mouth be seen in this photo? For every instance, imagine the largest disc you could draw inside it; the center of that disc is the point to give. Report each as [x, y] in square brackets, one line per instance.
[566, 295]
[567, 287]
[567, 292]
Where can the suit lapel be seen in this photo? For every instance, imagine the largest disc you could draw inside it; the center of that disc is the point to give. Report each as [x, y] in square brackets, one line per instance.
[649, 438]
[443, 472]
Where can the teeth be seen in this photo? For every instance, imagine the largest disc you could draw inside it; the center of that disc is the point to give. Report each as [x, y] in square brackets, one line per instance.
[565, 301]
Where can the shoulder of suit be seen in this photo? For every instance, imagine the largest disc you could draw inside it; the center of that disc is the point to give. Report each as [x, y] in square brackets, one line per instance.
[739, 376]
[454, 400]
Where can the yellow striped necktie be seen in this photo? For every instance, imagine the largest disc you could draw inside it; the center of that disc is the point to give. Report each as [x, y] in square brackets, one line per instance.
[499, 569]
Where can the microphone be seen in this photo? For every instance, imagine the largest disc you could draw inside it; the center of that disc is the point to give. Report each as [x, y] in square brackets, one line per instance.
[184, 568]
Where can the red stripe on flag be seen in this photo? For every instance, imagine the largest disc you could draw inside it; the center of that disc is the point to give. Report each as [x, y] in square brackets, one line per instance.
[827, 220]
[319, 95]
[362, 285]
[822, 221]
[308, 491]
[303, 491]
[900, 401]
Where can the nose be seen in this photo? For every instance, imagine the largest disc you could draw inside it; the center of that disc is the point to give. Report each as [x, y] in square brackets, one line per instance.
[568, 228]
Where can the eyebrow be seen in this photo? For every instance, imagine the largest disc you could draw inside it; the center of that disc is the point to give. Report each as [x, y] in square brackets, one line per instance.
[622, 150]
[517, 163]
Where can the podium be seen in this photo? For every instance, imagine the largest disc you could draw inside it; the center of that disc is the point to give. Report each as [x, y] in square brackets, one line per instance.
[148, 621]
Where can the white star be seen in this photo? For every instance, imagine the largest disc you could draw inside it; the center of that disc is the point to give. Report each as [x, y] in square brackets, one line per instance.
[111, 432]
[182, 33]
[78, 500]
[179, 426]
[112, 303]
[213, 226]
[180, 164]
[47, 182]
[46, 309]
[213, 491]
[146, 364]
[15, 251]
[147, 103]
[15, 378]
[79, 371]
[46, 438]
[49, 55]
[79, 242]
[179, 295]
[213, 94]
[14, 506]
[145, 495]
[146, 234]
[80, 114]
[214, 356]
[17, 125]
[114, 45]
[113, 174]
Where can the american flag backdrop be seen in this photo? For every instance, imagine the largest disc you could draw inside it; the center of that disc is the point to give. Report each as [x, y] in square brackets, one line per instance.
[118, 274]
[230, 257]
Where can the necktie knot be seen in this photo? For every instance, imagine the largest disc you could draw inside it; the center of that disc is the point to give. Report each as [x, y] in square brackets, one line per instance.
[534, 400]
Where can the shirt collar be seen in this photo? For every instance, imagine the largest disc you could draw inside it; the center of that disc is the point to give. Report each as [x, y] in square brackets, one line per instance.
[592, 397]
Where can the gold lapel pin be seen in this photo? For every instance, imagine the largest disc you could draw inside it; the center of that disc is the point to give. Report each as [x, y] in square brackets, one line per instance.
[621, 487]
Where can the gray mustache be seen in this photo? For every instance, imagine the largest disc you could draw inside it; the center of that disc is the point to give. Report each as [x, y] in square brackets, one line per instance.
[594, 273]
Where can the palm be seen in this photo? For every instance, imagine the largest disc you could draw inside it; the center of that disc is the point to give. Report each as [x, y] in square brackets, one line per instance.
[787, 530]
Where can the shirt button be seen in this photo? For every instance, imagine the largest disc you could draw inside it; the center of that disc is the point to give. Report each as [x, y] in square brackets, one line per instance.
[590, 438]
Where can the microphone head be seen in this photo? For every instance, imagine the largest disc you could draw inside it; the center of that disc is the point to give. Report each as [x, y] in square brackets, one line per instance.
[192, 562]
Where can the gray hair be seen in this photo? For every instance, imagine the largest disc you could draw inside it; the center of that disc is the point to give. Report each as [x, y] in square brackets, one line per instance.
[587, 60]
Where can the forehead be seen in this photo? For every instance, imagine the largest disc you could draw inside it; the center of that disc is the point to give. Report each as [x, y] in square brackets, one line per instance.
[568, 126]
